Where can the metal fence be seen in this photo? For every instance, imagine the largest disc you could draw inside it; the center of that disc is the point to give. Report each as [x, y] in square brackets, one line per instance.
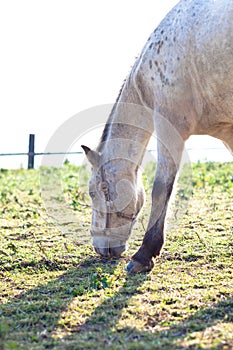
[31, 154]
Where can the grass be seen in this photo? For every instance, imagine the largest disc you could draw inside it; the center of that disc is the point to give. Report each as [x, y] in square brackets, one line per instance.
[55, 293]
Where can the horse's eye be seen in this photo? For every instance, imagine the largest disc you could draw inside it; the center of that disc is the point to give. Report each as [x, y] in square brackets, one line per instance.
[92, 194]
[104, 187]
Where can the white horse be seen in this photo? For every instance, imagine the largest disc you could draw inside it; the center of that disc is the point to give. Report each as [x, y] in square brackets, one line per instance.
[181, 85]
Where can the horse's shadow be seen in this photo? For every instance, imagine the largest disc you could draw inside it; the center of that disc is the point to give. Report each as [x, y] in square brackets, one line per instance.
[33, 317]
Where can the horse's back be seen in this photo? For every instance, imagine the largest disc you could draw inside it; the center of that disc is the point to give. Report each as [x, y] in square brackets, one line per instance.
[187, 63]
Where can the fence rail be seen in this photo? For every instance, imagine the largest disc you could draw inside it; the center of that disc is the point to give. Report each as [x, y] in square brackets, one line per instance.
[31, 152]
[38, 153]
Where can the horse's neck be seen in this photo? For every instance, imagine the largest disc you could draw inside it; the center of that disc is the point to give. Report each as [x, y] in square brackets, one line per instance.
[128, 128]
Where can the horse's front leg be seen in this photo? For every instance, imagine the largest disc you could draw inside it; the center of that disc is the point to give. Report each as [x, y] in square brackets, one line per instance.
[167, 167]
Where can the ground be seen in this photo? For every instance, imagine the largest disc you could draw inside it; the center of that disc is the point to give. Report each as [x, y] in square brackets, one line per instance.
[55, 293]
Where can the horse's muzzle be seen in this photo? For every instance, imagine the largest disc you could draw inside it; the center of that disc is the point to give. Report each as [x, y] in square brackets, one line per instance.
[110, 252]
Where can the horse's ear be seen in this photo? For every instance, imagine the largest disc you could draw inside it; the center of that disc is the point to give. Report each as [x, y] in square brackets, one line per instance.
[92, 156]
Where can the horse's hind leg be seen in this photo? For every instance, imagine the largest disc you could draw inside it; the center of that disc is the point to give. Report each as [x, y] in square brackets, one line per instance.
[229, 144]
[226, 135]
[170, 149]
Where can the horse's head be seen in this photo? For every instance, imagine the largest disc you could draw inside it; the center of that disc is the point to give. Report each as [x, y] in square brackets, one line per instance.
[117, 198]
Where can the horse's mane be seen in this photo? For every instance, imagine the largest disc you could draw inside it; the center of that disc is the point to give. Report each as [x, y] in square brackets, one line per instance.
[109, 121]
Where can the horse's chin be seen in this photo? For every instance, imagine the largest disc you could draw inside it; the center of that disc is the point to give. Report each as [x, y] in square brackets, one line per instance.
[107, 248]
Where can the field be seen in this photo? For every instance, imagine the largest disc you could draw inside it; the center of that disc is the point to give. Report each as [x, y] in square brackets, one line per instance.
[55, 293]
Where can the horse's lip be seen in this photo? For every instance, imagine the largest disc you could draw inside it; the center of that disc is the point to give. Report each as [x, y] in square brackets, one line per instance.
[110, 252]
[104, 252]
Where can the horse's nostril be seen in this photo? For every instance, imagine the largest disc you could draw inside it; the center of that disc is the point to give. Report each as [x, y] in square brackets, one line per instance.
[116, 251]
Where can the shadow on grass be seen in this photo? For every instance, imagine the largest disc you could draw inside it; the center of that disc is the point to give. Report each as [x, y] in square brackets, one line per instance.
[101, 330]
[30, 320]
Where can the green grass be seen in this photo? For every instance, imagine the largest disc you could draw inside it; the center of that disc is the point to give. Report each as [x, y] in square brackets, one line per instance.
[55, 293]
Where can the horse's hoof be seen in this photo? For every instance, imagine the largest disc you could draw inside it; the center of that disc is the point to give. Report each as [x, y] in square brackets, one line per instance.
[136, 267]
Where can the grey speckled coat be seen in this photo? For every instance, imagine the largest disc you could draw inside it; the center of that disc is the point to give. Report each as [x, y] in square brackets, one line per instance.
[181, 85]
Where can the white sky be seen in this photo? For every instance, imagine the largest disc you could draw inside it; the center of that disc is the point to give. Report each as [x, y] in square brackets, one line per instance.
[60, 57]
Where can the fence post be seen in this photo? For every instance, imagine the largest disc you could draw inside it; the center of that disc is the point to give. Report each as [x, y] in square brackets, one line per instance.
[31, 152]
